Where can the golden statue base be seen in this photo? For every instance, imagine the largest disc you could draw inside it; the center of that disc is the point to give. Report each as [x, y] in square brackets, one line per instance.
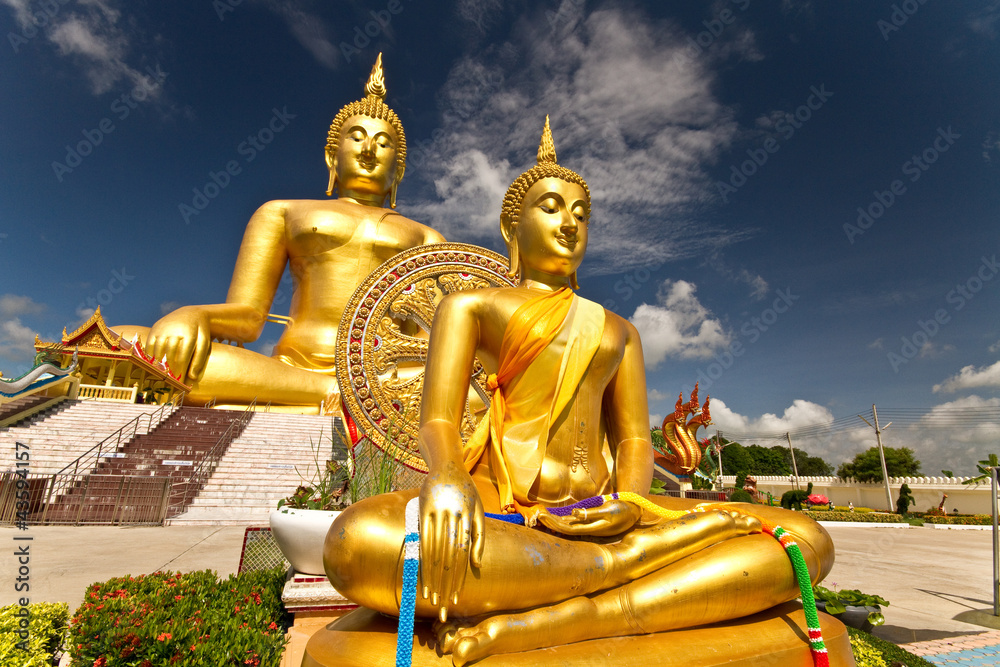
[364, 638]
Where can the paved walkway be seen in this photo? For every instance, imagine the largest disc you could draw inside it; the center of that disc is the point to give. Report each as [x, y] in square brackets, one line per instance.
[982, 650]
[937, 581]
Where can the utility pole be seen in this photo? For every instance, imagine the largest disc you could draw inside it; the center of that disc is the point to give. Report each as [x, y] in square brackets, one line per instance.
[996, 545]
[881, 455]
[718, 450]
[795, 466]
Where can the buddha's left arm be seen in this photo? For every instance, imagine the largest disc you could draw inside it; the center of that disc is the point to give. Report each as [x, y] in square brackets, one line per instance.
[627, 414]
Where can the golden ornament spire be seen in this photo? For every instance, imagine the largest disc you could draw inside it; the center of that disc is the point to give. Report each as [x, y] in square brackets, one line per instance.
[547, 147]
[376, 84]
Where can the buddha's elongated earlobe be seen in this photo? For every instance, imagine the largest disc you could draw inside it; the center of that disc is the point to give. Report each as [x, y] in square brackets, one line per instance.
[331, 165]
[508, 231]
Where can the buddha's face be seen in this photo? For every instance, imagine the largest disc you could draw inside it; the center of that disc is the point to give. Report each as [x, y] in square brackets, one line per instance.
[365, 161]
[552, 227]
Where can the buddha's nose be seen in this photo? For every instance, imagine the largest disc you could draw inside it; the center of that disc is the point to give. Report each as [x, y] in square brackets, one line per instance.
[569, 223]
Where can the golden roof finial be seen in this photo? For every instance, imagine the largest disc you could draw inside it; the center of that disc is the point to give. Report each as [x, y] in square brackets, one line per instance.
[547, 147]
[376, 84]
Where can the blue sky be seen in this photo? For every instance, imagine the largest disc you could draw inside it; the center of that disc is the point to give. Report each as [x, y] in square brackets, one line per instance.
[795, 202]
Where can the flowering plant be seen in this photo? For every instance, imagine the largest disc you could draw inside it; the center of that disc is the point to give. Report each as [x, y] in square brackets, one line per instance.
[181, 619]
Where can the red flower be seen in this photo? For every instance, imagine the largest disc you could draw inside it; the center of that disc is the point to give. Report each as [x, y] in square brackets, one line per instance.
[178, 597]
[100, 662]
[164, 637]
[273, 626]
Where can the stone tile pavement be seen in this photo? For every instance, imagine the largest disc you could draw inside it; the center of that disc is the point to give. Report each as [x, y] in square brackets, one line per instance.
[979, 650]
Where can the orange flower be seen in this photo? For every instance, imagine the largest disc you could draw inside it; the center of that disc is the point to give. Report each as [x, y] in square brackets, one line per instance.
[164, 637]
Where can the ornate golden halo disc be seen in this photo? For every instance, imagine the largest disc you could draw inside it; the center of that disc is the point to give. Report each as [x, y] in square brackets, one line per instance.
[383, 337]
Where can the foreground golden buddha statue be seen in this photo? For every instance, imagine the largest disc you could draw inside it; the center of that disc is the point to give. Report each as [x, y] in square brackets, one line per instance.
[568, 421]
[330, 245]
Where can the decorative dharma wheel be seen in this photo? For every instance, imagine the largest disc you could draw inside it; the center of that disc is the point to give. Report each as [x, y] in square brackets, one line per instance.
[383, 338]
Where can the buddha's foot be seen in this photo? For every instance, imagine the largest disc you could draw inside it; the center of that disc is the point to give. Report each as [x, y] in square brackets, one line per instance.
[510, 633]
[646, 550]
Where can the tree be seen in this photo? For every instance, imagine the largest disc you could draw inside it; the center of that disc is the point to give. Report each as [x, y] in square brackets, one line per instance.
[866, 467]
[768, 461]
[812, 466]
[736, 460]
[984, 470]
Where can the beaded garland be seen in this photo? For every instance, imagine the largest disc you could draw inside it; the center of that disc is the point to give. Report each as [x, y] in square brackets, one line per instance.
[404, 648]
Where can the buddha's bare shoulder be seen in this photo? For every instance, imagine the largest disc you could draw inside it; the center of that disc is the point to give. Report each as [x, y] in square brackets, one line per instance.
[429, 235]
[614, 322]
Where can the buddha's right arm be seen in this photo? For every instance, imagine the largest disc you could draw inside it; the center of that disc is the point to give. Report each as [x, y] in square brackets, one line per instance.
[185, 335]
[451, 513]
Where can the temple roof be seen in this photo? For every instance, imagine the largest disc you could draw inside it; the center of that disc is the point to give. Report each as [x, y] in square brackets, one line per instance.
[95, 339]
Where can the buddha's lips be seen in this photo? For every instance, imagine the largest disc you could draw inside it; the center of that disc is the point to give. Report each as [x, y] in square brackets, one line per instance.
[568, 241]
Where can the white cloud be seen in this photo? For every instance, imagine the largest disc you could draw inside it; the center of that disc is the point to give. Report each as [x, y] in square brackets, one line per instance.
[481, 13]
[12, 305]
[995, 347]
[951, 435]
[656, 395]
[801, 413]
[983, 21]
[680, 326]
[92, 34]
[877, 344]
[929, 350]
[971, 377]
[308, 28]
[629, 110]
[17, 342]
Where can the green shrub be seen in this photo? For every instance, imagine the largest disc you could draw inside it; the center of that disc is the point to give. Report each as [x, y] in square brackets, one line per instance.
[741, 496]
[890, 652]
[867, 517]
[915, 521]
[181, 619]
[961, 520]
[865, 654]
[46, 629]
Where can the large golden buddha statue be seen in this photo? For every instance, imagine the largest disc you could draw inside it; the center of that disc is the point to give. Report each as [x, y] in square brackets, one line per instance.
[568, 421]
[330, 245]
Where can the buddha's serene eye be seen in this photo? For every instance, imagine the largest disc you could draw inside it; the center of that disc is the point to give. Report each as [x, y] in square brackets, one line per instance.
[580, 214]
[358, 135]
[548, 205]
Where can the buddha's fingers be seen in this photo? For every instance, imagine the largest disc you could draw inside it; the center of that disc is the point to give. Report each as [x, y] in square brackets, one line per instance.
[199, 358]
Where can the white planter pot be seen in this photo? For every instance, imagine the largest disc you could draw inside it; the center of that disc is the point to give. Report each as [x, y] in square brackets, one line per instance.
[300, 535]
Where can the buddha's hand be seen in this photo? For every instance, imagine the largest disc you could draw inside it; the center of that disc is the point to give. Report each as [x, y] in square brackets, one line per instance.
[185, 338]
[612, 518]
[452, 525]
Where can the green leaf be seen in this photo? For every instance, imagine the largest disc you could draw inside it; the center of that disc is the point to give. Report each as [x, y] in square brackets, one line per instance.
[835, 607]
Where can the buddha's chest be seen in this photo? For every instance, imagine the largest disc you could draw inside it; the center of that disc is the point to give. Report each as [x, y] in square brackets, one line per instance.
[376, 233]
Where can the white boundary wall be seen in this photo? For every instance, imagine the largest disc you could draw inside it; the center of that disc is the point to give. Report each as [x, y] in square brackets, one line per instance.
[967, 499]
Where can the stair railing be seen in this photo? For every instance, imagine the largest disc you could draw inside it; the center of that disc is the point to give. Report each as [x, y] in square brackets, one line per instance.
[206, 468]
[64, 479]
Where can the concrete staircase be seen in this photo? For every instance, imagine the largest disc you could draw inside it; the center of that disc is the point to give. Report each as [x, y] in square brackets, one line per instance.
[58, 436]
[271, 458]
[174, 450]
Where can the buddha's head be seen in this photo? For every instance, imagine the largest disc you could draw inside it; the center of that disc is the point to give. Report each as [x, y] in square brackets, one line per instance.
[366, 146]
[545, 215]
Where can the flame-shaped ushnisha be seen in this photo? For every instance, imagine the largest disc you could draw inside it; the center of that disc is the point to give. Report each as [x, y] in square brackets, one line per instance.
[680, 433]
